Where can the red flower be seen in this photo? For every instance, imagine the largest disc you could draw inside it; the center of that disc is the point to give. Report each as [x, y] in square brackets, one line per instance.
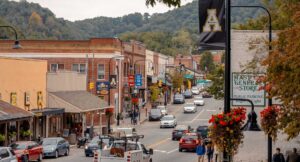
[212, 119]
[237, 119]
[220, 116]
[223, 123]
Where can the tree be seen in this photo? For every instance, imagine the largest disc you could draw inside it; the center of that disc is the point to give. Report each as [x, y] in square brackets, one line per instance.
[175, 3]
[155, 91]
[207, 62]
[217, 78]
[177, 80]
[283, 75]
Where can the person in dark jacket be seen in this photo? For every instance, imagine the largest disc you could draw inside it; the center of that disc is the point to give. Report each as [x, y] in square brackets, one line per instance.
[293, 157]
[210, 151]
[200, 150]
[278, 156]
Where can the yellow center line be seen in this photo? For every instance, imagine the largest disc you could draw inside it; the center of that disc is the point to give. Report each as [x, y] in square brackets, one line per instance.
[158, 143]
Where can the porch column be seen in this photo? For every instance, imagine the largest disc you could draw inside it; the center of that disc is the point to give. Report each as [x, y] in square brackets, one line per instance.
[92, 122]
[47, 126]
[100, 122]
[18, 130]
[6, 135]
[30, 127]
[83, 124]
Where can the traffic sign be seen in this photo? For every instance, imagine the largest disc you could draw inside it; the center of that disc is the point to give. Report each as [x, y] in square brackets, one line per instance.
[131, 80]
[138, 80]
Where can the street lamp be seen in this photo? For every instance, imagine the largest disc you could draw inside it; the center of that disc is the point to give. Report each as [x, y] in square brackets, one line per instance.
[270, 48]
[17, 43]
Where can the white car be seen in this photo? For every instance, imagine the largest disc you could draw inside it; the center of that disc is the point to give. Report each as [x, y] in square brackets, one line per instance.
[163, 109]
[189, 108]
[168, 121]
[195, 91]
[7, 155]
[199, 101]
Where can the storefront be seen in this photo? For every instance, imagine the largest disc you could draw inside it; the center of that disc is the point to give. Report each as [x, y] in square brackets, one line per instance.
[84, 113]
[15, 124]
[48, 122]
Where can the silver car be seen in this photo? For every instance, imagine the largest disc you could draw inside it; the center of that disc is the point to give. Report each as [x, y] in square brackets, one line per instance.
[168, 121]
[7, 155]
[199, 101]
[55, 146]
[189, 108]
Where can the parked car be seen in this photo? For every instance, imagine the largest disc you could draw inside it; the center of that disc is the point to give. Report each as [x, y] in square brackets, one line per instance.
[27, 151]
[189, 108]
[168, 121]
[206, 95]
[189, 141]
[199, 101]
[195, 90]
[179, 131]
[7, 155]
[55, 146]
[93, 145]
[178, 99]
[163, 109]
[202, 131]
[188, 94]
[155, 115]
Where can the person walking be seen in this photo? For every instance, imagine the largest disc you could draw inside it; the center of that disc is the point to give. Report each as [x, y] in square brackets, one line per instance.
[210, 151]
[278, 156]
[200, 150]
[293, 157]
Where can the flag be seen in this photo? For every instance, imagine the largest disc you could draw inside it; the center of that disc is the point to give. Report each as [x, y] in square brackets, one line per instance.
[212, 24]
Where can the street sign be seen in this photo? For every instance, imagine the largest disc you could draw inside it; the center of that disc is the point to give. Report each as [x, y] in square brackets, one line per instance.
[131, 80]
[138, 79]
[244, 86]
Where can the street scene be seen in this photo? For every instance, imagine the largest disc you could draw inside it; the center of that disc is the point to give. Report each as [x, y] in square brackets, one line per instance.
[149, 81]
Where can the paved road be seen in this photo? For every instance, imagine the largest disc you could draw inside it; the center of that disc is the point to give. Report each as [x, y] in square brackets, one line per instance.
[165, 150]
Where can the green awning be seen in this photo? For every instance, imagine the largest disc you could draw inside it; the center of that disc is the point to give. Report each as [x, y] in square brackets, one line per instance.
[188, 76]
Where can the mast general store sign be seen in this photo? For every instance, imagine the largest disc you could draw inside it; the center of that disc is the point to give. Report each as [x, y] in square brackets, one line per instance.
[244, 86]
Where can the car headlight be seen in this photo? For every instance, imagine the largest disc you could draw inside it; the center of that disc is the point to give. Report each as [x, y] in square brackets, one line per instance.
[13, 161]
[86, 147]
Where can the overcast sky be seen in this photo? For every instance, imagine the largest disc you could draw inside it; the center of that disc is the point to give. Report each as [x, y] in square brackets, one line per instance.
[82, 9]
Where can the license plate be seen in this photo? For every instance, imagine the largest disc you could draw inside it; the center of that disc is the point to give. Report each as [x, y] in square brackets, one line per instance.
[188, 142]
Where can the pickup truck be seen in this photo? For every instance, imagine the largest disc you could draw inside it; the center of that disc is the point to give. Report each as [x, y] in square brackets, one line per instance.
[124, 151]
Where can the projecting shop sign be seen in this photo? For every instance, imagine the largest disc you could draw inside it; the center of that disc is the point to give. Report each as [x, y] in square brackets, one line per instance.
[244, 86]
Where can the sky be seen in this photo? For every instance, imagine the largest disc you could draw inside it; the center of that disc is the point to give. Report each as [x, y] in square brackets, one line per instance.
[81, 9]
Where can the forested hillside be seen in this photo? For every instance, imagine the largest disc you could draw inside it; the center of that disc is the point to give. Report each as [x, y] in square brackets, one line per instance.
[161, 32]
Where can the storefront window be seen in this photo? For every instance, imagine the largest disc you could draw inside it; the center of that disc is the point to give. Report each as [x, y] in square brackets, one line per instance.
[101, 71]
[56, 67]
[80, 68]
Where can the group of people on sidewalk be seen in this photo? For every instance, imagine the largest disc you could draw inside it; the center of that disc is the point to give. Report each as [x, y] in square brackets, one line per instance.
[291, 157]
[205, 148]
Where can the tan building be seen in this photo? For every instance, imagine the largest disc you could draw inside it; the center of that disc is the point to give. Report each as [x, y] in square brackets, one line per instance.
[23, 82]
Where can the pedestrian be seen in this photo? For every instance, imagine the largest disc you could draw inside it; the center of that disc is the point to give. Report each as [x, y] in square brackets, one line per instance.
[293, 157]
[200, 150]
[210, 151]
[278, 156]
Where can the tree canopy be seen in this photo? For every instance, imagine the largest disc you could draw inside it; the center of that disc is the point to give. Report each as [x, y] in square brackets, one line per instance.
[207, 62]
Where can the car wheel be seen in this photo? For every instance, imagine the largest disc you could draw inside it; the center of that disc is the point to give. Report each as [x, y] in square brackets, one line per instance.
[67, 152]
[150, 160]
[40, 157]
[180, 149]
[160, 127]
[25, 158]
[56, 154]
[86, 155]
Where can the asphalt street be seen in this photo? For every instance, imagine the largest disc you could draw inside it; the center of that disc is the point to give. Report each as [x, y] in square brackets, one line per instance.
[165, 150]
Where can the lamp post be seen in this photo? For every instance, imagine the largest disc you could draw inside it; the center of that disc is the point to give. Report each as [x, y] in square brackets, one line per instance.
[270, 48]
[17, 43]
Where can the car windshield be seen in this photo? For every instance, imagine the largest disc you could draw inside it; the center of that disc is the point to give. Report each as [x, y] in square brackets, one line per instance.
[49, 142]
[168, 118]
[18, 146]
[95, 140]
[199, 97]
[190, 137]
[201, 128]
[155, 111]
[178, 96]
[187, 92]
[189, 104]
[181, 128]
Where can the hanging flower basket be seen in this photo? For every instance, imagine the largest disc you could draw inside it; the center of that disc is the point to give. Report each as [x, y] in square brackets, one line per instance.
[109, 111]
[269, 121]
[225, 130]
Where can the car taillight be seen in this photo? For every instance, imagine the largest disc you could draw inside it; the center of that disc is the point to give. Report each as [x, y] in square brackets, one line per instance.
[185, 131]
[182, 141]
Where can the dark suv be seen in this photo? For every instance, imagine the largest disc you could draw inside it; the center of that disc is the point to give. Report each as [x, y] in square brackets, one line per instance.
[155, 114]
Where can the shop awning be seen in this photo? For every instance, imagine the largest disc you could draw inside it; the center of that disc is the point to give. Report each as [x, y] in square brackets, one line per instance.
[48, 111]
[76, 101]
[10, 112]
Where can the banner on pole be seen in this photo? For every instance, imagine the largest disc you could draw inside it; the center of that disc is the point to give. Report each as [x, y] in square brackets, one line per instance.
[212, 24]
